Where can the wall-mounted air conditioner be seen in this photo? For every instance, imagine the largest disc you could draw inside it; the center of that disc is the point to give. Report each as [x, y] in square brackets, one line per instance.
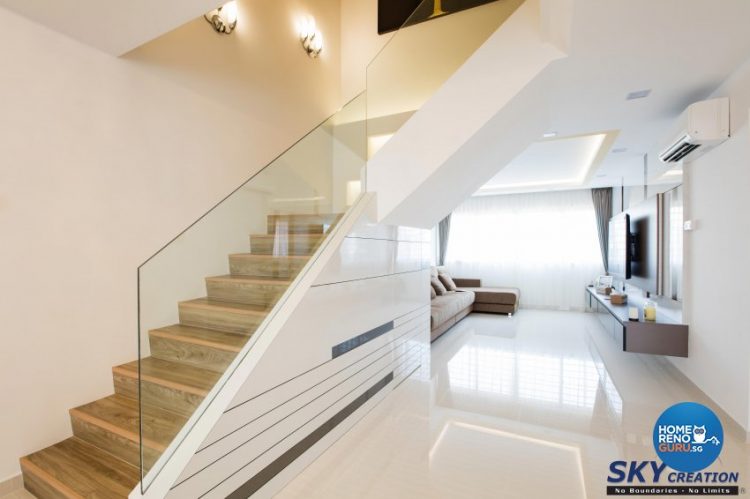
[703, 125]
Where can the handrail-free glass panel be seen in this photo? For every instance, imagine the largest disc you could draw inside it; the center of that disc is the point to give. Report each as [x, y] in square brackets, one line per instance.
[205, 294]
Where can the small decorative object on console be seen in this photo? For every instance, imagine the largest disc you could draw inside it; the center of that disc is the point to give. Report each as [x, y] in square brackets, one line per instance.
[604, 284]
[633, 313]
[618, 299]
[649, 310]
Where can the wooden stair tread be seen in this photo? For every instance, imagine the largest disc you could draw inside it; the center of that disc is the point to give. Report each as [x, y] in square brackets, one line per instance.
[236, 308]
[121, 415]
[74, 468]
[249, 280]
[291, 235]
[221, 340]
[309, 218]
[171, 374]
[256, 255]
[266, 265]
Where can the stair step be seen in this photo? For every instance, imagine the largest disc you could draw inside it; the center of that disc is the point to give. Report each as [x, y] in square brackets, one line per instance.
[264, 292]
[196, 346]
[74, 468]
[307, 223]
[168, 385]
[222, 316]
[111, 424]
[284, 267]
[290, 244]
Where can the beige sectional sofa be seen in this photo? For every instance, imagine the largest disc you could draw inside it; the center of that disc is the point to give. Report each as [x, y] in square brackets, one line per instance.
[449, 308]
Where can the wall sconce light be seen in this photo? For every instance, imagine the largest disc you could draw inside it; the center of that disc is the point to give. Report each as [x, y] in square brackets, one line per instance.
[223, 19]
[311, 38]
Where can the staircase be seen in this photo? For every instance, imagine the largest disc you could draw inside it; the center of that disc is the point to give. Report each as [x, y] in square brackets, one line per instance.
[102, 458]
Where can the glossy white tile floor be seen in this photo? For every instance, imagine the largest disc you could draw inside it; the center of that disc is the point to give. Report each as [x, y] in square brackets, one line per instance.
[533, 406]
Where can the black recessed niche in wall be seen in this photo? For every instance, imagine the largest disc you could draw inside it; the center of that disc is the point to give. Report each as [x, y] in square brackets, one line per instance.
[393, 14]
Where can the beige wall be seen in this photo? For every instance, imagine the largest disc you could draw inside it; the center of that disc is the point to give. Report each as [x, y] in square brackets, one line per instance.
[360, 43]
[261, 68]
[103, 161]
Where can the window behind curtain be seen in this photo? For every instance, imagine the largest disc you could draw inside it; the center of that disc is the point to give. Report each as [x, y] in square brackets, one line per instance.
[544, 243]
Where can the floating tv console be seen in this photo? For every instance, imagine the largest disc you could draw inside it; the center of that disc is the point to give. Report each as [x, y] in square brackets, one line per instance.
[661, 337]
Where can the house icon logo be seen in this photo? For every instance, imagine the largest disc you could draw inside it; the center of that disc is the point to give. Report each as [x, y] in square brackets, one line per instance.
[688, 437]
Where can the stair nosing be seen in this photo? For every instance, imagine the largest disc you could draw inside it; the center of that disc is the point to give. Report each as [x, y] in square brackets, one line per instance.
[260, 255]
[159, 381]
[216, 305]
[249, 279]
[195, 341]
[56, 483]
[291, 235]
[30, 467]
[118, 430]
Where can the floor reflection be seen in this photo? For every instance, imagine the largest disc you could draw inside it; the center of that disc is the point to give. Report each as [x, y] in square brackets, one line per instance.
[533, 406]
[494, 370]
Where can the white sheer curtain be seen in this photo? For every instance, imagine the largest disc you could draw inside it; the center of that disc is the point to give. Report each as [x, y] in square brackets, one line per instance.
[544, 243]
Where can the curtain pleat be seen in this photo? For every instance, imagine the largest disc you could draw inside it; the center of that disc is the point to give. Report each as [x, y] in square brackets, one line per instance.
[444, 231]
[602, 198]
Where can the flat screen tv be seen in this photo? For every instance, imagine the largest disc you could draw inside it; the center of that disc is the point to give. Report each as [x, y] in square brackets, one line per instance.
[644, 229]
[619, 251]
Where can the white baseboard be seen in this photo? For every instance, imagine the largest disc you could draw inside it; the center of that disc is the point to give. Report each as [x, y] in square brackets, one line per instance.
[12, 484]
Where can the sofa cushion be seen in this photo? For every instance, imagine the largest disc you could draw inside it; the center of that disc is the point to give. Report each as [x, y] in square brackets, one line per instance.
[444, 307]
[438, 286]
[447, 282]
[501, 296]
[433, 294]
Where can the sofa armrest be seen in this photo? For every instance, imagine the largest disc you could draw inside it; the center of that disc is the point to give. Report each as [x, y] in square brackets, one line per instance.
[467, 283]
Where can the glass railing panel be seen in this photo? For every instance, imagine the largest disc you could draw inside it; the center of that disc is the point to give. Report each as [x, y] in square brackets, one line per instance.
[429, 47]
[209, 290]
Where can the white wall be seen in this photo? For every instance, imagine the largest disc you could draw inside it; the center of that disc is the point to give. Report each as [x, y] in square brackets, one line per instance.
[716, 270]
[103, 161]
[424, 165]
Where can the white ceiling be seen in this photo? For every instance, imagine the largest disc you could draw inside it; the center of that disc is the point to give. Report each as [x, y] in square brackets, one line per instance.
[113, 26]
[679, 49]
[550, 164]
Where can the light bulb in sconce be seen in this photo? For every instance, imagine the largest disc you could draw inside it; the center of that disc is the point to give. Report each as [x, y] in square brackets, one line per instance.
[307, 28]
[310, 37]
[317, 43]
[223, 19]
[230, 11]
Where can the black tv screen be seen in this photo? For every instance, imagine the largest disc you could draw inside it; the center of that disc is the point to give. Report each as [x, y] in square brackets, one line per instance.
[644, 228]
[618, 258]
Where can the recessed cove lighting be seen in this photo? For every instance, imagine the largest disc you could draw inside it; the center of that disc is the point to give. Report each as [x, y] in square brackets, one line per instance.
[549, 135]
[618, 150]
[638, 94]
